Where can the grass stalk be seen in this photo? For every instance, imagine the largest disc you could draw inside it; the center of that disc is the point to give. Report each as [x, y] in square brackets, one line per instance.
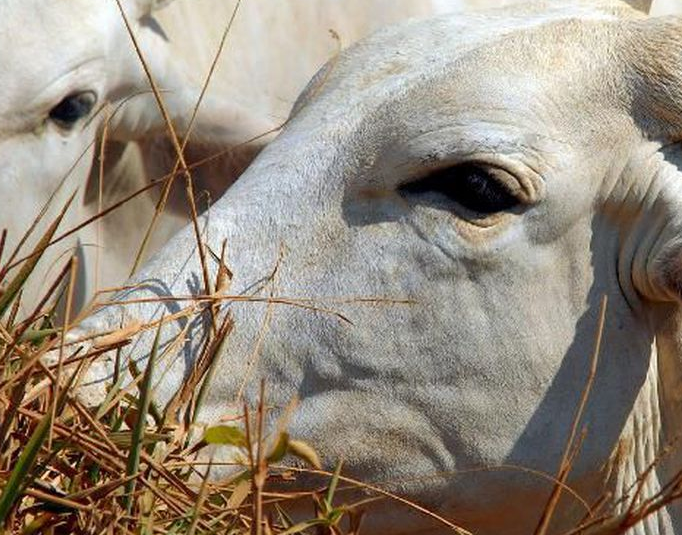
[133, 464]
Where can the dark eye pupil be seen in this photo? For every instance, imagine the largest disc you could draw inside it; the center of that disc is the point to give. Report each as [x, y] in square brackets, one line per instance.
[73, 108]
[469, 185]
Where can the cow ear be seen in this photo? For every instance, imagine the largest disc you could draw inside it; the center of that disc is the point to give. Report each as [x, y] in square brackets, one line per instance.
[650, 211]
[652, 74]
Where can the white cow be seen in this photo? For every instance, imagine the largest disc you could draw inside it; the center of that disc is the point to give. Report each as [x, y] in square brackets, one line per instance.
[503, 172]
[71, 58]
[68, 60]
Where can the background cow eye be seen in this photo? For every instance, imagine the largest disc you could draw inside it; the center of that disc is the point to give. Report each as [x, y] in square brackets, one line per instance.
[469, 185]
[72, 108]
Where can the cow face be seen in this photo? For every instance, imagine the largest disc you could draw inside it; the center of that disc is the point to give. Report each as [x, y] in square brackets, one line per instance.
[464, 191]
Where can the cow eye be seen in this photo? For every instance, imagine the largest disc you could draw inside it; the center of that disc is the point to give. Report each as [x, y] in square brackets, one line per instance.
[73, 108]
[472, 186]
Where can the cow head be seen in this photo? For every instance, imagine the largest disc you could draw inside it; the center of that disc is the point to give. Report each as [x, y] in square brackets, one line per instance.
[503, 173]
[67, 67]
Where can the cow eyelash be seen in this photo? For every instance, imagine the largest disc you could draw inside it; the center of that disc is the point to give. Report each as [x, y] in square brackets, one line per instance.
[472, 186]
[73, 108]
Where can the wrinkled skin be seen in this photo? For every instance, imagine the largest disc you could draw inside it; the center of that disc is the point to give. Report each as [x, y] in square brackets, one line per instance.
[60, 49]
[573, 110]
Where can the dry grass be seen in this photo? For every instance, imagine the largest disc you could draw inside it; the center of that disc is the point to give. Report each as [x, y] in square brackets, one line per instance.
[76, 470]
[127, 467]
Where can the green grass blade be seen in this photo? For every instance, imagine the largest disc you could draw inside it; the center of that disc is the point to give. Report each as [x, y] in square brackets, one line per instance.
[305, 452]
[136, 446]
[37, 336]
[329, 498]
[280, 449]
[225, 435]
[223, 335]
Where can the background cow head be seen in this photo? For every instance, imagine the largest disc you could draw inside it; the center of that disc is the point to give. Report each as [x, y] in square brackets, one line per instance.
[68, 68]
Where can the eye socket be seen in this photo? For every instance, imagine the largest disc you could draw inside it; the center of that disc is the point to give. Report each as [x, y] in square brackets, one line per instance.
[73, 108]
[472, 186]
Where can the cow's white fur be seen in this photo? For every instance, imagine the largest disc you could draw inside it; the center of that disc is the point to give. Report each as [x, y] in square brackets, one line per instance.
[59, 48]
[581, 104]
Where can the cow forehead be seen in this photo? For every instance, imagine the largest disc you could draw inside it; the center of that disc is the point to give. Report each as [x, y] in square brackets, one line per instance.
[47, 39]
[27, 26]
[520, 83]
[457, 50]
